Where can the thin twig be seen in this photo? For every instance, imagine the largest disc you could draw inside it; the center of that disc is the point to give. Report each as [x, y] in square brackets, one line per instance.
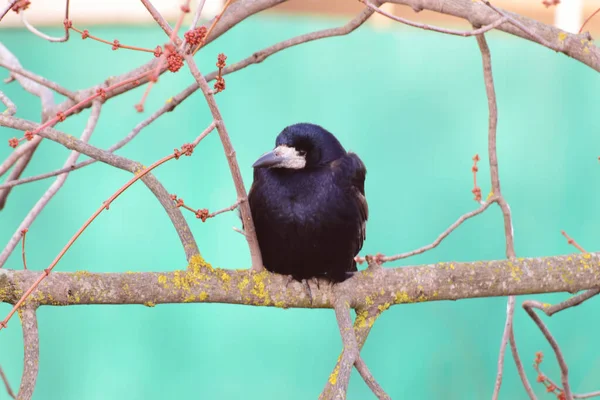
[522, 27]
[169, 106]
[185, 150]
[115, 43]
[7, 384]
[53, 189]
[212, 26]
[31, 346]
[573, 242]
[575, 300]
[197, 14]
[508, 226]
[529, 305]
[180, 224]
[160, 20]
[7, 8]
[439, 239]
[23, 236]
[36, 32]
[519, 365]
[255, 255]
[253, 59]
[11, 109]
[588, 19]
[508, 327]
[427, 27]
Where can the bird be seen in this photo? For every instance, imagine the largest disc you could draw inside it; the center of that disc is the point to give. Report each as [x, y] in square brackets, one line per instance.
[308, 204]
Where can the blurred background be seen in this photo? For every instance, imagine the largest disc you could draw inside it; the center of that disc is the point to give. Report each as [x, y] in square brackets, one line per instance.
[411, 103]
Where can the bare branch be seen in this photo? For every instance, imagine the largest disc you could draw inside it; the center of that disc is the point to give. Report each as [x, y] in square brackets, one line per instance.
[22, 160]
[519, 365]
[7, 8]
[496, 190]
[572, 302]
[52, 190]
[36, 32]
[564, 370]
[158, 17]
[439, 239]
[364, 372]
[11, 109]
[31, 345]
[404, 285]
[524, 28]
[339, 379]
[249, 230]
[170, 105]
[179, 222]
[508, 327]
[579, 47]
[427, 27]
[365, 318]
[7, 384]
[197, 14]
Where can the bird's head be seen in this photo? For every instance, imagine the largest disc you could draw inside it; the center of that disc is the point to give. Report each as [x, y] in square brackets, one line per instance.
[301, 146]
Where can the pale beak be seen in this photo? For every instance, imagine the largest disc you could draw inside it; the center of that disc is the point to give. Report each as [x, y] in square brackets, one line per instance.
[268, 160]
[281, 157]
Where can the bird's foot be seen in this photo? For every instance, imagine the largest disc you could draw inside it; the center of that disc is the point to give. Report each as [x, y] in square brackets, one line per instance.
[374, 262]
[315, 280]
[308, 291]
[287, 280]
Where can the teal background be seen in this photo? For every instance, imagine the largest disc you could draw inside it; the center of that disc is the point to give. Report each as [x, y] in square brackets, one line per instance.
[412, 105]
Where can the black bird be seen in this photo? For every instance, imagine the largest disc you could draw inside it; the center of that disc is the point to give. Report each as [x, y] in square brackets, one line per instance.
[308, 205]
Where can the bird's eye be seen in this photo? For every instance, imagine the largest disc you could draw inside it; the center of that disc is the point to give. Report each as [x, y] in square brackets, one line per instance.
[302, 152]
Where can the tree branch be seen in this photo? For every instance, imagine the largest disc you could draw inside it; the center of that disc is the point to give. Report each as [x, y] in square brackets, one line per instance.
[31, 345]
[53, 189]
[179, 222]
[242, 197]
[202, 283]
[579, 47]
[7, 384]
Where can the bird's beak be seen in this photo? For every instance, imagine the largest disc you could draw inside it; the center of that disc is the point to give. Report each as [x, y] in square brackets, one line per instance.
[268, 160]
[281, 157]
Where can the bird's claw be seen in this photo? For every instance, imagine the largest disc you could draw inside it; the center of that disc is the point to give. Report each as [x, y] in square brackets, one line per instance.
[308, 291]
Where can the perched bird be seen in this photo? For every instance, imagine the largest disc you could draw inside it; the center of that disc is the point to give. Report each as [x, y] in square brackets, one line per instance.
[308, 205]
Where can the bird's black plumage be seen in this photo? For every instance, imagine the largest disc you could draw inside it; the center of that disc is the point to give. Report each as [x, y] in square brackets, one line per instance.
[308, 205]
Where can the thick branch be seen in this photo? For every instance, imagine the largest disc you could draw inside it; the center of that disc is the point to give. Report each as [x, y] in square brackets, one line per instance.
[382, 287]
[31, 346]
[579, 47]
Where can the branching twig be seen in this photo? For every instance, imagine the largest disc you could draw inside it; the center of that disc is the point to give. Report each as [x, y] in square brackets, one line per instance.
[427, 27]
[39, 79]
[508, 227]
[249, 230]
[529, 305]
[52, 190]
[212, 26]
[186, 149]
[33, 30]
[436, 242]
[185, 235]
[170, 105]
[340, 377]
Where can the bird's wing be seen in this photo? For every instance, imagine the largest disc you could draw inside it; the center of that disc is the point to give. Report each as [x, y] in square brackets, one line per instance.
[358, 173]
